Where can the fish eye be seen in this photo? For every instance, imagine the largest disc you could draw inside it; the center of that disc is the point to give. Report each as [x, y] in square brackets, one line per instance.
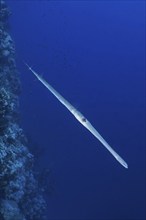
[84, 120]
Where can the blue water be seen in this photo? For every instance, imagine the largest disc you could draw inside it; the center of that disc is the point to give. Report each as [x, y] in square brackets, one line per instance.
[93, 53]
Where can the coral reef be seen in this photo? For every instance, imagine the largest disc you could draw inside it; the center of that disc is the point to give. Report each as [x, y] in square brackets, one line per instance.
[20, 194]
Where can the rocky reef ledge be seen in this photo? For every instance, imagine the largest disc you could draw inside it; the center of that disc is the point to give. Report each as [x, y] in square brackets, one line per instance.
[20, 196]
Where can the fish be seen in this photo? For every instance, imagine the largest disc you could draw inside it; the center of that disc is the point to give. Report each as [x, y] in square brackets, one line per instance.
[80, 117]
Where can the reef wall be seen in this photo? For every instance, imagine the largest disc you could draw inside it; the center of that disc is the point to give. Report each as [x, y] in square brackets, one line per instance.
[20, 196]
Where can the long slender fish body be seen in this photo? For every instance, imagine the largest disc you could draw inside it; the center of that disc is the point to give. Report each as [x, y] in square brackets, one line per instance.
[80, 117]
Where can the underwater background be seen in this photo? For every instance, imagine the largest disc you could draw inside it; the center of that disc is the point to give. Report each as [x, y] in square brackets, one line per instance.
[93, 53]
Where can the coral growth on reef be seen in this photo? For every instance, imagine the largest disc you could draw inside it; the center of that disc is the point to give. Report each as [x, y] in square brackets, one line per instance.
[20, 195]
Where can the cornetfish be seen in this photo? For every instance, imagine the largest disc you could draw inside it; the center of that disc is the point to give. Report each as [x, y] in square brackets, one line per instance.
[80, 117]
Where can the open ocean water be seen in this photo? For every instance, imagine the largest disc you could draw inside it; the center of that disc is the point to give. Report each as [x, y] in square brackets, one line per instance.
[93, 53]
